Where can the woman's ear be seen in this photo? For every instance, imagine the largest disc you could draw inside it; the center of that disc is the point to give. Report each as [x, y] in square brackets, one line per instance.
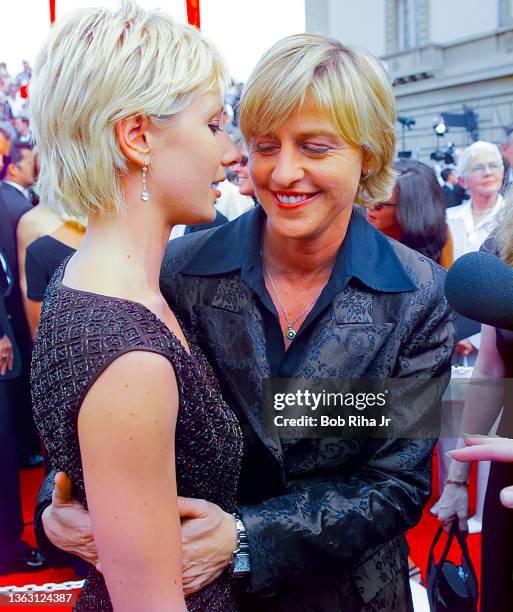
[133, 140]
[367, 163]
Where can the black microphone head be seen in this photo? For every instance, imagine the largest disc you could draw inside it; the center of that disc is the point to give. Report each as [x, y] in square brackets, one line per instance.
[479, 286]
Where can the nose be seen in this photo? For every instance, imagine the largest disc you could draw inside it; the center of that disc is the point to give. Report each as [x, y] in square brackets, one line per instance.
[287, 169]
[231, 153]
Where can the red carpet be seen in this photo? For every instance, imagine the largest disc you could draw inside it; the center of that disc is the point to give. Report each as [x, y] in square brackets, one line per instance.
[30, 483]
[419, 539]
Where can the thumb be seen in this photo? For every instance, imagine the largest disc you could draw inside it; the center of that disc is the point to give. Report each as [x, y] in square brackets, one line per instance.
[63, 491]
[189, 507]
[507, 497]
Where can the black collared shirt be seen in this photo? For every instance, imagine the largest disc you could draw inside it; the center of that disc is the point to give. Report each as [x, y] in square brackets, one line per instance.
[365, 256]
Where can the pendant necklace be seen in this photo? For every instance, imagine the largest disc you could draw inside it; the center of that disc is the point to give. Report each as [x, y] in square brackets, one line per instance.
[291, 333]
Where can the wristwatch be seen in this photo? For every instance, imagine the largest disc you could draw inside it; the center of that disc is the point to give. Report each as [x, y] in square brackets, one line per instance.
[240, 565]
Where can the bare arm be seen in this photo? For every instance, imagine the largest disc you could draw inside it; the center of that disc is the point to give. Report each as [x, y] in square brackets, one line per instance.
[489, 449]
[33, 314]
[482, 406]
[126, 430]
[483, 403]
[25, 234]
[32, 225]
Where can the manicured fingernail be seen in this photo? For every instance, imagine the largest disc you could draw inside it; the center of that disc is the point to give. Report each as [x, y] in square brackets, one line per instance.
[450, 453]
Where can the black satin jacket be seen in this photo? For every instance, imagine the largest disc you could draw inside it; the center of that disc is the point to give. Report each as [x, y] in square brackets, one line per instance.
[325, 517]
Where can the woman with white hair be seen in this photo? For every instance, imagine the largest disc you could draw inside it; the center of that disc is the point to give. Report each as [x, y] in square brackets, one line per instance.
[481, 170]
[127, 110]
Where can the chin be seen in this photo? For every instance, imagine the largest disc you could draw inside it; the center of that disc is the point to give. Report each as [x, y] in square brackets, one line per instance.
[294, 229]
[245, 189]
[200, 216]
[207, 217]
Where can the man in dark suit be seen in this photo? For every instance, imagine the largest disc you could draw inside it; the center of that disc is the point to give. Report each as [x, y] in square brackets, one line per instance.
[15, 554]
[452, 198]
[17, 176]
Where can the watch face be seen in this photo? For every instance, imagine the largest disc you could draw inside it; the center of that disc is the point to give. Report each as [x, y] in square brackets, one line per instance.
[241, 565]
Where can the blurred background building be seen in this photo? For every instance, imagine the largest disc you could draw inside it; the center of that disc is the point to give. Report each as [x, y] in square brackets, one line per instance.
[443, 56]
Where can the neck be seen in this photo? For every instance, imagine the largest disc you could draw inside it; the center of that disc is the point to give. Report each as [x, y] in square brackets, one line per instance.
[125, 251]
[305, 257]
[481, 202]
[10, 179]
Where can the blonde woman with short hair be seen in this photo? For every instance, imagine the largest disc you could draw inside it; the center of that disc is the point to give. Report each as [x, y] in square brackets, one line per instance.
[126, 109]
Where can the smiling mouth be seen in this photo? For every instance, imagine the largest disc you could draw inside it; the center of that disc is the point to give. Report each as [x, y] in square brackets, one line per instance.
[293, 201]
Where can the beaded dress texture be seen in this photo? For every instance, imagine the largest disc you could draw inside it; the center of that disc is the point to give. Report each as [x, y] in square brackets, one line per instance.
[80, 334]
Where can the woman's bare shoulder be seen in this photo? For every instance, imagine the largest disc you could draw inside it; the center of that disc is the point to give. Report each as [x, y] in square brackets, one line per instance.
[39, 221]
[137, 391]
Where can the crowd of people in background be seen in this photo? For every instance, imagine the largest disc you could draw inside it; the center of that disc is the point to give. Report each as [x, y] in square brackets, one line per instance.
[441, 213]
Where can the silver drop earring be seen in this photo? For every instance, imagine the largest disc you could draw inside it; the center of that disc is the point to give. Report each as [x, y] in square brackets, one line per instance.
[145, 194]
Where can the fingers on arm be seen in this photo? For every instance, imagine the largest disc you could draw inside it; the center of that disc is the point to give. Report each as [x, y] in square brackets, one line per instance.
[126, 429]
[485, 449]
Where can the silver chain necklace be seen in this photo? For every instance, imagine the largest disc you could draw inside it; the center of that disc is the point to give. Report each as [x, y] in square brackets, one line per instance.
[291, 332]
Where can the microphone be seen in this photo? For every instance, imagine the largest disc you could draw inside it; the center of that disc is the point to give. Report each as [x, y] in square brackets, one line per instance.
[479, 286]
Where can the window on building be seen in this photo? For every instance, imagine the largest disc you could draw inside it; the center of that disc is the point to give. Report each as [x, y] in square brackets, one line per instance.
[407, 12]
[505, 13]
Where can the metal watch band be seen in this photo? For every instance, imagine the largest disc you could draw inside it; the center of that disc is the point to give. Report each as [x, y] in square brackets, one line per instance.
[240, 564]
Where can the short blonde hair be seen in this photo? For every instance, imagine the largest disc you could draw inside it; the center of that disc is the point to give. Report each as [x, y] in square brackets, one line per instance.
[480, 146]
[348, 83]
[97, 67]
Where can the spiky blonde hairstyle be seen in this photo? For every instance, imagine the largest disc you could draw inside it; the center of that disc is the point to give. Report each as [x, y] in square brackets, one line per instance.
[97, 67]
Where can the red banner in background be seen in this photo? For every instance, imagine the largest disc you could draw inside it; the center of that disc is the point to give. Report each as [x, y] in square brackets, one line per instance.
[193, 12]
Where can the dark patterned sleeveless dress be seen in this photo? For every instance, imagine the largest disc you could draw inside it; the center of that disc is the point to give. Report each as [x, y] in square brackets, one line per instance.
[80, 334]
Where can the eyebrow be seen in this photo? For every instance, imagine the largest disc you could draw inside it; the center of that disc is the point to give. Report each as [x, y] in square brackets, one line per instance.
[310, 133]
[306, 134]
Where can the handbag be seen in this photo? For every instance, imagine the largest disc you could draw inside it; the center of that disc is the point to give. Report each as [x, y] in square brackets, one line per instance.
[451, 587]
